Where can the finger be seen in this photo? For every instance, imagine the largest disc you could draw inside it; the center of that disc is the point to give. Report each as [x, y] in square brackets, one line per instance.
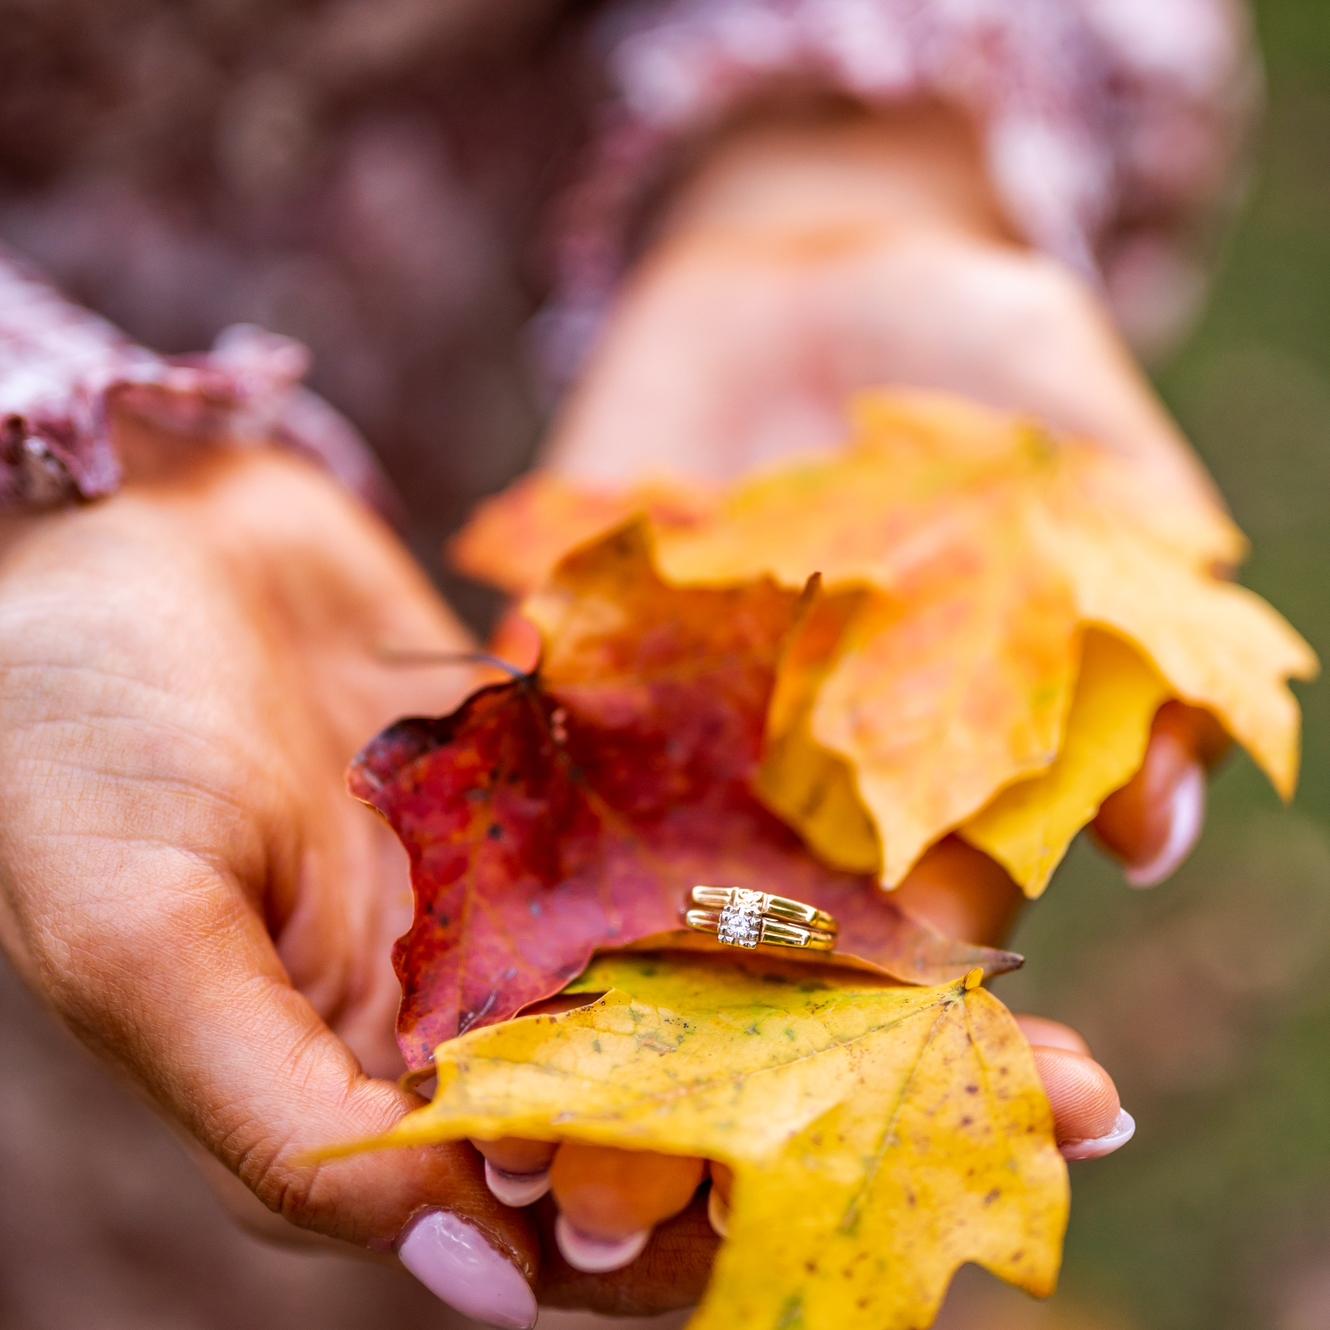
[961, 892]
[670, 1273]
[1088, 1118]
[1153, 822]
[517, 1172]
[1089, 1121]
[1043, 1033]
[610, 1200]
[718, 1198]
[722, 1179]
[190, 997]
[1209, 738]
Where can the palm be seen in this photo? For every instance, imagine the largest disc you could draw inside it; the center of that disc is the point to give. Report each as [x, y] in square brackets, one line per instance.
[724, 355]
[208, 665]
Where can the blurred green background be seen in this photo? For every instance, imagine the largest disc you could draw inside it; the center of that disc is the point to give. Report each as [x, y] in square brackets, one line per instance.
[1208, 998]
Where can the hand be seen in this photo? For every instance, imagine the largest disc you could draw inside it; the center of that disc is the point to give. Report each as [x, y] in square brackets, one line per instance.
[185, 671]
[800, 265]
[805, 264]
[610, 1200]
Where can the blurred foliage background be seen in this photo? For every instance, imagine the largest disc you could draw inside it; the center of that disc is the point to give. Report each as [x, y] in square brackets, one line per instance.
[1206, 998]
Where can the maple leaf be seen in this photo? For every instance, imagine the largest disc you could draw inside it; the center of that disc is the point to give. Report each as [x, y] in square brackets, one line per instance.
[571, 810]
[1028, 827]
[969, 559]
[551, 518]
[880, 1136]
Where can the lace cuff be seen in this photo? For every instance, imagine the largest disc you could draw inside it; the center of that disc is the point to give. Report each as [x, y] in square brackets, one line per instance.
[63, 371]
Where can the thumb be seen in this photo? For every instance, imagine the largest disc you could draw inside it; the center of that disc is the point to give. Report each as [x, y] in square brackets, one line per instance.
[187, 993]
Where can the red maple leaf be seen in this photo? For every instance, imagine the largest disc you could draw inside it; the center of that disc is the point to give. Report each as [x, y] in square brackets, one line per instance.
[570, 810]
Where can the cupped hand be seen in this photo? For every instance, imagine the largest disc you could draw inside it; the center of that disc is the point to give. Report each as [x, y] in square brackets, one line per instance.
[785, 285]
[800, 268]
[615, 1205]
[187, 668]
[185, 671]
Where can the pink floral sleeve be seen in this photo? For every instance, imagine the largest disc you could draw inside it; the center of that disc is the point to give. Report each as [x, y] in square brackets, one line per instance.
[1111, 127]
[381, 198]
[64, 370]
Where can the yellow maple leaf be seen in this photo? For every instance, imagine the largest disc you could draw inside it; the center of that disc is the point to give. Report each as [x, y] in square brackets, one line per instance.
[1030, 825]
[813, 787]
[936, 701]
[879, 1136]
[1218, 646]
[977, 551]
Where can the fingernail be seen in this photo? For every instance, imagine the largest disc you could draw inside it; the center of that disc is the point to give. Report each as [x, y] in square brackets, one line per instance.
[1123, 1130]
[516, 1189]
[462, 1268]
[718, 1212]
[597, 1256]
[1186, 815]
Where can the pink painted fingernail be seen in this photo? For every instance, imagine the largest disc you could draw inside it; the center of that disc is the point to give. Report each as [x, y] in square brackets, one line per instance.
[1186, 816]
[597, 1256]
[718, 1213]
[461, 1267]
[1123, 1130]
[516, 1189]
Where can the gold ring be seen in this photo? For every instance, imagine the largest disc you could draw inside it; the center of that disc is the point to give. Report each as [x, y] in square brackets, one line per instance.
[742, 918]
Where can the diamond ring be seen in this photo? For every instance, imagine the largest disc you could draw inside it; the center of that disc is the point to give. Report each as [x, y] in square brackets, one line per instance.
[742, 918]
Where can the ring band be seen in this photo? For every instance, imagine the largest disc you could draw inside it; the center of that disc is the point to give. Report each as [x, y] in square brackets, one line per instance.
[739, 917]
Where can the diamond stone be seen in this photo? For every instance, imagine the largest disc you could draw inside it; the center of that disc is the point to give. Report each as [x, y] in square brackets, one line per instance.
[740, 923]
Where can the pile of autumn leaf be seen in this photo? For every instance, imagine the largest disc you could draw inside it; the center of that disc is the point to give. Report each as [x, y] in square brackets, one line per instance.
[957, 626]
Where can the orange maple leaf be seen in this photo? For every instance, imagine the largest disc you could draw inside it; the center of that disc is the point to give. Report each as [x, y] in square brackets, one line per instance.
[992, 586]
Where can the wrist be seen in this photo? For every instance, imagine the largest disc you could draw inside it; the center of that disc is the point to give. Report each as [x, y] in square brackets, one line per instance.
[210, 498]
[839, 171]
